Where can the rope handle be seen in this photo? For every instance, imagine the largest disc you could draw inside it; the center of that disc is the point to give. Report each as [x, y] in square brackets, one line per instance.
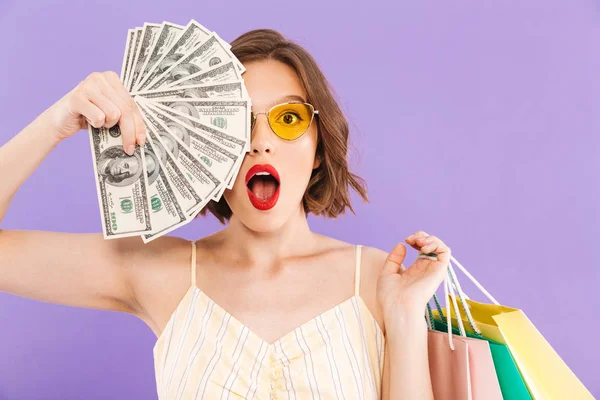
[451, 284]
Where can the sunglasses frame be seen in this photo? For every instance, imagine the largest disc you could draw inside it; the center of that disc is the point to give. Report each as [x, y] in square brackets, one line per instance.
[254, 115]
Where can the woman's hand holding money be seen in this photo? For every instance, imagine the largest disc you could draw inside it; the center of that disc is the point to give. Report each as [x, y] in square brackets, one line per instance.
[102, 101]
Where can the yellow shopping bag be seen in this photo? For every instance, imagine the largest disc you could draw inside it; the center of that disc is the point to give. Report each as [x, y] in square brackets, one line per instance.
[546, 375]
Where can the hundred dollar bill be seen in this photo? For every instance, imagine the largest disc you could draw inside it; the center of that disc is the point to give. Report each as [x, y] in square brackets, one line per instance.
[204, 183]
[186, 195]
[166, 37]
[166, 214]
[237, 62]
[207, 54]
[136, 44]
[149, 35]
[225, 90]
[121, 185]
[221, 146]
[232, 116]
[217, 136]
[219, 73]
[224, 140]
[241, 68]
[192, 34]
[131, 34]
[217, 159]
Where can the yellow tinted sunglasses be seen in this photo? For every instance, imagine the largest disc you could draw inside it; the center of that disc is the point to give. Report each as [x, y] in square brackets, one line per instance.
[289, 121]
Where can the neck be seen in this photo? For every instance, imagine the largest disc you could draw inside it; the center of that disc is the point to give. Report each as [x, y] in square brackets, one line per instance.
[292, 239]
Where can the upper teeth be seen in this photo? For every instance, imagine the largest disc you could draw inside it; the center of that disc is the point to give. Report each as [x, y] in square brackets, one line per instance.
[262, 173]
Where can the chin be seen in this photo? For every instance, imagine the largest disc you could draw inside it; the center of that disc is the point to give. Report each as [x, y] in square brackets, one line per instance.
[257, 220]
[263, 225]
[262, 221]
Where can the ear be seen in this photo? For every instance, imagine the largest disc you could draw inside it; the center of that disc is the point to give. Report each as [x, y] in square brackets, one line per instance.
[317, 162]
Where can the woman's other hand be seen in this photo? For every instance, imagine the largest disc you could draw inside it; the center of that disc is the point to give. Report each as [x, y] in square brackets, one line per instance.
[409, 289]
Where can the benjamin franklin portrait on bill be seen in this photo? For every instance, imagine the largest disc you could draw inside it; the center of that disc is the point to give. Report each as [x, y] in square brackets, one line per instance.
[117, 168]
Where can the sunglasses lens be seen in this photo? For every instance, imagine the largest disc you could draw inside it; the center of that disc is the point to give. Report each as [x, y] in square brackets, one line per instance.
[290, 121]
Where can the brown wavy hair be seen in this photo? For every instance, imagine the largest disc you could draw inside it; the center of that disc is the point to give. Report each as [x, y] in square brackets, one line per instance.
[327, 192]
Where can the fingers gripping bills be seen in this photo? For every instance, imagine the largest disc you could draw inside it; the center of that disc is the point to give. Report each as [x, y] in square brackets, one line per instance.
[189, 89]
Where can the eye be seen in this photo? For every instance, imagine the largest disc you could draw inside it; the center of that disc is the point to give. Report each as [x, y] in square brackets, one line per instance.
[289, 118]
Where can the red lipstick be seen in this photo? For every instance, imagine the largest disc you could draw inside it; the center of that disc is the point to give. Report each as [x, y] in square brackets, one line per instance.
[258, 203]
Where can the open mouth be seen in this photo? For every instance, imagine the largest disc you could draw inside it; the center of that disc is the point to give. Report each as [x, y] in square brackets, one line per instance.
[262, 182]
[263, 186]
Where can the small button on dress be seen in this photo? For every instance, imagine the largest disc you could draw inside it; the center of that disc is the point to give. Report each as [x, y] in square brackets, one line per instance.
[206, 353]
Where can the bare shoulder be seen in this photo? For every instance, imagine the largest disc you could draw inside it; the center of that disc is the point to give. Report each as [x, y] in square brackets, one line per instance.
[159, 276]
[371, 259]
[374, 258]
[160, 249]
[371, 264]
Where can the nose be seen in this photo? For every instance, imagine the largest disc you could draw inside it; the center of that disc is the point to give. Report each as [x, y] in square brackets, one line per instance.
[261, 136]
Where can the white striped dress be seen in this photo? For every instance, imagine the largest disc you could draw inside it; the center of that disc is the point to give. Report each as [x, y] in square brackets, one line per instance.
[205, 353]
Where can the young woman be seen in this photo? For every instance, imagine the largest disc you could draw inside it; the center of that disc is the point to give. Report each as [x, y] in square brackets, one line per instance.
[263, 308]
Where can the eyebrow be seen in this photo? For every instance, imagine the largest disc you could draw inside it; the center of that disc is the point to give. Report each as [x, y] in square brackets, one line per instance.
[290, 97]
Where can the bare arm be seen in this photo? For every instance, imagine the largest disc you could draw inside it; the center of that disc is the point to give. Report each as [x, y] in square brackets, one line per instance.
[72, 269]
[21, 156]
[81, 270]
[406, 358]
[403, 294]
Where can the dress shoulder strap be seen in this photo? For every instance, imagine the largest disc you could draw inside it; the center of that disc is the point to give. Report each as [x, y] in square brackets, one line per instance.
[193, 266]
[357, 271]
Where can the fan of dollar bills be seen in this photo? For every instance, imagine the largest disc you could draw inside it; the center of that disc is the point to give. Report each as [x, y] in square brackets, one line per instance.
[189, 88]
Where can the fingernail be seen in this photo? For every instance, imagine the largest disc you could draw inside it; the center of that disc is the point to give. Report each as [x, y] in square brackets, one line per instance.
[142, 139]
[130, 149]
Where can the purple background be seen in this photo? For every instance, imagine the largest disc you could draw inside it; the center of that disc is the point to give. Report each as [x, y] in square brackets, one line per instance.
[477, 122]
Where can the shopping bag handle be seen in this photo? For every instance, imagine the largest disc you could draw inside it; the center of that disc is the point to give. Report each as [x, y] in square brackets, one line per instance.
[429, 316]
[462, 295]
[463, 302]
[451, 286]
[472, 279]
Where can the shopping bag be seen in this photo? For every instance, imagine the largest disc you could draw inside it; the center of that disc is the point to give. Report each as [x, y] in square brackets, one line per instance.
[510, 380]
[461, 367]
[545, 374]
[449, 369]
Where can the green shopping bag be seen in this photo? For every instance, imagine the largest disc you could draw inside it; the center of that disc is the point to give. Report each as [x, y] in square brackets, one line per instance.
[511, 382]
